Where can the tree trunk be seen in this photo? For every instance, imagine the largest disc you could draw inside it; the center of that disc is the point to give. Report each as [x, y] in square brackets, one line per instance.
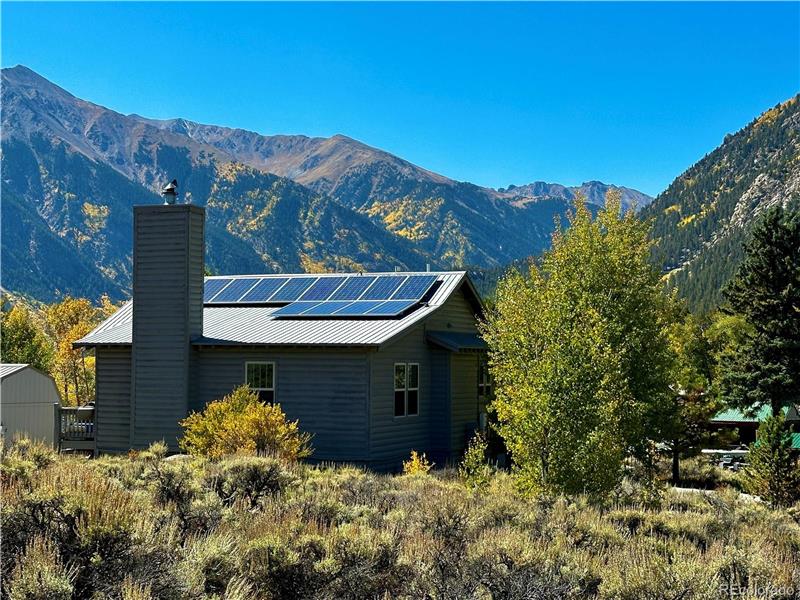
[676, 466]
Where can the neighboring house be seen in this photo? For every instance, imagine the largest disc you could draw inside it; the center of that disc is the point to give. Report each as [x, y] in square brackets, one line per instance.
[746, 424]
[29, 404]
[373, 365]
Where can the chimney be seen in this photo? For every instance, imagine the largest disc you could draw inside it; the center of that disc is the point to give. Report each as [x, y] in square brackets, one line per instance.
[168, 251]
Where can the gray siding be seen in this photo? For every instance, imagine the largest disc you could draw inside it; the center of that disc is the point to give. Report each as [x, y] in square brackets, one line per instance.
[448, 392]
[392, 438]
[167, 285]
[464, 400]
[326, 390]
[457, 315]
[440, 416]
[113, 405]
[27, 399]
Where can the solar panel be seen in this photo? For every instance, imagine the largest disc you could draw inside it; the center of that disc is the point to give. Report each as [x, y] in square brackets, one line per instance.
[326, 308]
[264, 289]
[391, 308]
[352, 288]
[235, 290]
[357, 309]
[324, 287]
[212, 287]
[414, 287]
[293, 289]
[384, 287]
[294, 309]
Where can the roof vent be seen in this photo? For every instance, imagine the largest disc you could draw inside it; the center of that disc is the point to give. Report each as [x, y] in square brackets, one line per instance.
[170, 192]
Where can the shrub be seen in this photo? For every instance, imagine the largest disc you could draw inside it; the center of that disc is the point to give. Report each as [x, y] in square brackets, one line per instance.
[240, 422]
[474, 470]
[40, 575]
[364, 563]
[773, 472]
[209, 563]
[250, 478]
[418, 464]
[280, 569]
[131, 590]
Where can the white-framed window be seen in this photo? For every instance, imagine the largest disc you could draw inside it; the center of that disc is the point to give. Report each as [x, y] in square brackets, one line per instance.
[484, 378]
[260, 377]
[406, 389]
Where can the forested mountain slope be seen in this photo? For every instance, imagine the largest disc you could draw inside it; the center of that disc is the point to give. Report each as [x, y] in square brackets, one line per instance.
[72, 171]
[703, 217]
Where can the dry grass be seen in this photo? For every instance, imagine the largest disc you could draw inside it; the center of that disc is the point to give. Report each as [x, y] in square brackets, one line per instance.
[142, 527]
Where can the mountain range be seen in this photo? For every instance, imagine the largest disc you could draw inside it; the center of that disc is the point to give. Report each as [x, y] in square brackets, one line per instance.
[72, 171]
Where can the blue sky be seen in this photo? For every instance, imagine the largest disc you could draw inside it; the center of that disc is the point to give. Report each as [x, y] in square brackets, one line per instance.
[489, 93]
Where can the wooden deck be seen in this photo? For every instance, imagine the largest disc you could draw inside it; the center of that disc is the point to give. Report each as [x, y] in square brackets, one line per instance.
[76, 430]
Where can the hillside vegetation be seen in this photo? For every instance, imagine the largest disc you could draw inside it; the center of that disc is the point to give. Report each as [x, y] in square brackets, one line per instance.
[704, 216]
[143, 527]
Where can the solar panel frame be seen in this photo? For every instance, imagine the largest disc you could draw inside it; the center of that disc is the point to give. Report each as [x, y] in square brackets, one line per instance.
[293, 289]
[384, 287]
[232, 292]
[353, 287]
[414, 288]
[326, 308]
[212, 287]
[294, 309]
[391, 308]
[323, 288]
[357, 308]
[264, 289]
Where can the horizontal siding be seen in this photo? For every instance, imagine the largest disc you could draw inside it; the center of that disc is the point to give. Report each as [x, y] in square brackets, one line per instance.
[456, 315]
[113, 404]
[167, 286]
[393, 438]
[464, 400]
[326, 391]
[440, 405]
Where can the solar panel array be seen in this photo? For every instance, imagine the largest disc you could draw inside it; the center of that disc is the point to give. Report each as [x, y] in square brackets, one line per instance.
[330, 296]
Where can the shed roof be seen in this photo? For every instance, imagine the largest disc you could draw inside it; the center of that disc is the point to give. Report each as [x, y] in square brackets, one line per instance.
[7, 369]
[241, 325]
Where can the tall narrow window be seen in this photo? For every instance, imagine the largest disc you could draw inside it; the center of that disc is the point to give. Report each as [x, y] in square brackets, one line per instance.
[406, 389]
[412, 393]
[484, 379]
[260, 377]
[399, 390]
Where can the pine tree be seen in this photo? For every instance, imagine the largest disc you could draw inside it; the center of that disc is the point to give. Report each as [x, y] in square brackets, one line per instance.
[766, 292]
[773, 472]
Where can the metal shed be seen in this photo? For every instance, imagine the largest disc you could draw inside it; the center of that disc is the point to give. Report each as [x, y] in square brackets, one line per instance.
[29, 404]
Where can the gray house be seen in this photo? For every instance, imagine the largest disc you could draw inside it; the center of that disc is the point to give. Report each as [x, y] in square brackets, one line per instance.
[372, 364]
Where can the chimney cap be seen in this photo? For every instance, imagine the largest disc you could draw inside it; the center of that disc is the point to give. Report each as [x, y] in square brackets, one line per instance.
[170, 192]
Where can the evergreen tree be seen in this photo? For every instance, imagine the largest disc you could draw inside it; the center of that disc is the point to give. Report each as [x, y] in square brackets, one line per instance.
[22, 339]
[766, 292]
[579, 355]
[773, 472]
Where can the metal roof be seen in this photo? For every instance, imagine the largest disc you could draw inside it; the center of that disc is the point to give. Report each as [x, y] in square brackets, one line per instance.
[455, 341]
[733, 415]
[7, 369]
[254, 325]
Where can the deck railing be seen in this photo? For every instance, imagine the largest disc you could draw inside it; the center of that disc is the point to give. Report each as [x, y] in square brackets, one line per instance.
[76, 427]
